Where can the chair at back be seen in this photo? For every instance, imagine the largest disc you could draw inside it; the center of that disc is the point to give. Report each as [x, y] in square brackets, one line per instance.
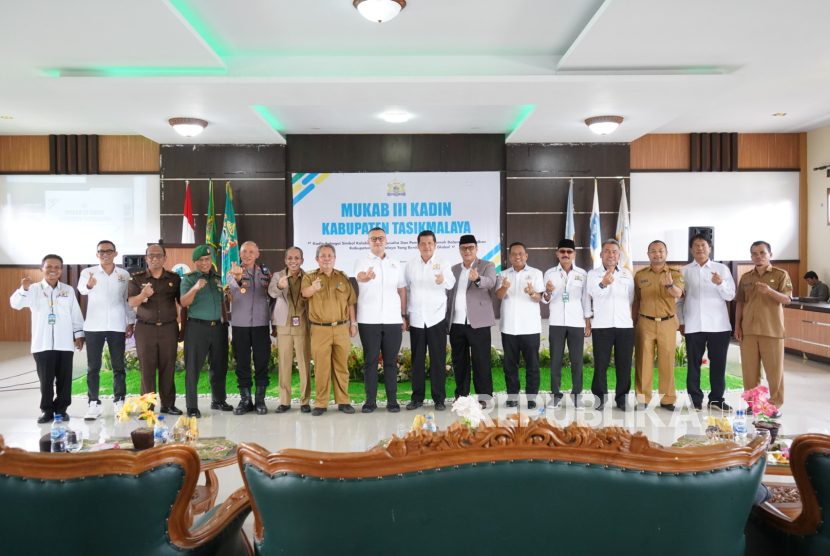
[513, 487]
[771, 532]
[112, 502]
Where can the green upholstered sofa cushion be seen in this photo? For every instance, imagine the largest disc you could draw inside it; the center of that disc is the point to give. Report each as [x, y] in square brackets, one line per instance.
[507, 508]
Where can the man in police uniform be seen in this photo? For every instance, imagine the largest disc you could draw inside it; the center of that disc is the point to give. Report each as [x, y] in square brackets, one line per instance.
[206, 331]
[759, 322]
[290, 316]
[154, 293]
[655, 289]
[331, 314]
[250, 319]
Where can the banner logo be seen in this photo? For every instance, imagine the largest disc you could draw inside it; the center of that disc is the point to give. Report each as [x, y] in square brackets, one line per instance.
[396, 189]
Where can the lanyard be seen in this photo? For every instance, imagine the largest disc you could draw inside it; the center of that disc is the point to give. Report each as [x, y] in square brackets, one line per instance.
[295, 299]
[49, 301]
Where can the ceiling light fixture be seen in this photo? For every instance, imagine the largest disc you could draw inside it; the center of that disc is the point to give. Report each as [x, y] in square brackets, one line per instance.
[189, 127]
[396, 117]
[780, 114]
[6, 117]
[603, 125]
[379, 10]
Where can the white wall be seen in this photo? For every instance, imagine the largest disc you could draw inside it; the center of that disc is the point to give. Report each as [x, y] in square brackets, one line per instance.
[818, 232]
[742, 206]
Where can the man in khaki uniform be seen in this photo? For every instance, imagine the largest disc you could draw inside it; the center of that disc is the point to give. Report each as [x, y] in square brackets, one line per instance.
[331, 300]
[759, 322]
[655, 289]
[291, 319]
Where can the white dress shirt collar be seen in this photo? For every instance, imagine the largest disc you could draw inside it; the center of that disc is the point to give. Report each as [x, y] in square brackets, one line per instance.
[519, 313]
[378, 299]
[108, 309]
[427, 301]
[703, 307]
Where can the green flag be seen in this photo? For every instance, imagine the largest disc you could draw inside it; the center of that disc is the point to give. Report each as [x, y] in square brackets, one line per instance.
[230, 247]
[211, 235]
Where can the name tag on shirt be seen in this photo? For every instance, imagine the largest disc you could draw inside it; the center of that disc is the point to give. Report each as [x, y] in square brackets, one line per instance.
[51, 319]
[566, 297]
[295, 321]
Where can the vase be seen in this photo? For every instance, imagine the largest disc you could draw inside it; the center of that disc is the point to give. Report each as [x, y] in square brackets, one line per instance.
[142, 438]
[771, 426]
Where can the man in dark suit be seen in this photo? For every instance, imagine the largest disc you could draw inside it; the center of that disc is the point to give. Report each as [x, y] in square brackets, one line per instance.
[469, 317]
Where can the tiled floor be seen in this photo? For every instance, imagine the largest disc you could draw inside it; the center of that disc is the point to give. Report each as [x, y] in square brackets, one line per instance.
[807, 407]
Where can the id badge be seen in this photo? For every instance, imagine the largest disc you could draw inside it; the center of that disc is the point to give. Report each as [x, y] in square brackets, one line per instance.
[51, 319]
[295, 321]
[565, 297]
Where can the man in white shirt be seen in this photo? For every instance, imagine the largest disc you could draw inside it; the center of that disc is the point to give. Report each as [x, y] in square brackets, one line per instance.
[381, 318]
[109, 318]
[57, 330]
[570, 320]
[704, 321]
[519, 288]
[428, 277]
[612, 290]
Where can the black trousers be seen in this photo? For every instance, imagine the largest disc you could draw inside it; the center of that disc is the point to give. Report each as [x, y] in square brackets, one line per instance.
[528, 345]
[201, 340]
[696, 344]
[468, 345]
[576, 341]
[434, 337]
[384, 340]
[256, 339]
[94, 350]
[621, 340]
[54, 369]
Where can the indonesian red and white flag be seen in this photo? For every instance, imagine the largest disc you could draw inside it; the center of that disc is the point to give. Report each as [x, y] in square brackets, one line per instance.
[188, 233]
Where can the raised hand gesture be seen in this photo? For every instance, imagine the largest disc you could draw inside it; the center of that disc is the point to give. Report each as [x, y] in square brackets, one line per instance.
[549, 287]
[716, 279]
[667, 279]
[26, 282]
[283, 283]
[529, 289]
[370, 273]
[317, 284]
[439, 279]
[473, 274]
[200, 283]
[236, 270]
[91, 282]
[147, 291]
[608, 279]
[505, 284]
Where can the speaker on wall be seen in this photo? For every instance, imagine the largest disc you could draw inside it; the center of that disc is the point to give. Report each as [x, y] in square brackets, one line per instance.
[134, 263]
[706, 231]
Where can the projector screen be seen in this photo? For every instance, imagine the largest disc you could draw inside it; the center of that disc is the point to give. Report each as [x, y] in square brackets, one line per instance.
[69, 215]
[742, 206]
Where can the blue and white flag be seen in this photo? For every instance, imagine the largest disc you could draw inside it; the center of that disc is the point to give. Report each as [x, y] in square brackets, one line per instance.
[570, 230]
[596, 233]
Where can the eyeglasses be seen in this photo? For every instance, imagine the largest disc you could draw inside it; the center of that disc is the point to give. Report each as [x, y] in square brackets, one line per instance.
[464, 248]
[106, 251]
[154, 256]
[566, 251]
[377, 239]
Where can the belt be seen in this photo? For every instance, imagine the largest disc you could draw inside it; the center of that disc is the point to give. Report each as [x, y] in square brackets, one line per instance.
[154, 323]
[328, 323]
[657, 319]
[210, 322]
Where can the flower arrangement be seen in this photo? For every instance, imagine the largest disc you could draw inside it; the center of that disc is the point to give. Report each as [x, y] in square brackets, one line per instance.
[758, 401]
[468, 408]
[142, 404]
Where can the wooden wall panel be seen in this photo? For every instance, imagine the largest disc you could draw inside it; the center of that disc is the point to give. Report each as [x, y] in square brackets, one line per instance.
[24, 153]
[661, 151]
[769, 151]
[16, 326]
[127, 154]
[791, 268]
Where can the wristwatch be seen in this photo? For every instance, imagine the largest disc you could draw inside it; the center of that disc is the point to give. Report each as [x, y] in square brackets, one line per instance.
[602, 286]
[669, 287]
[477, 281]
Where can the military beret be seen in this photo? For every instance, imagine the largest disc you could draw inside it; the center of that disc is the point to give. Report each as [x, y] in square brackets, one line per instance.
[201, 251]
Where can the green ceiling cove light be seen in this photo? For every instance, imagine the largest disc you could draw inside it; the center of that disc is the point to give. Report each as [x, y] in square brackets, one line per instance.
[189, 16]
[269, 117]
[523, 114]
[134, 72]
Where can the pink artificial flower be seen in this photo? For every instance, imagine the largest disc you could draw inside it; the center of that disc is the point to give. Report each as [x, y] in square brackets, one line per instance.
[766, 408]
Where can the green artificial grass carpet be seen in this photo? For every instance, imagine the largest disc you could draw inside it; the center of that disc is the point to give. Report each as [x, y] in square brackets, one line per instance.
[357, 394]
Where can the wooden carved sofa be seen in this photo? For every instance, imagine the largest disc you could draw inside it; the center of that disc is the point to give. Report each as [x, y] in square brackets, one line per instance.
[510, 488]
[113, 502]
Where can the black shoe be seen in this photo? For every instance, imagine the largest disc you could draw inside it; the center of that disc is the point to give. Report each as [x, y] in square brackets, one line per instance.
[578, 404]
[439, 406]
[624, 406]
[531, 405]
[45, 417]
[668, 406]
[393, 408]
[720, 406]
[414, 405]
[283, 408]
[194, 412]
[172, 410]
[600, 406]
[304, 408]
[318, 411]
[65, 417]
[345, 408]
[261, 409]
[369, 407]
[511, 403]
[245, 404]
[776, 415]
[698, 406]
[224, 406]
[641, 407]
[555, 402]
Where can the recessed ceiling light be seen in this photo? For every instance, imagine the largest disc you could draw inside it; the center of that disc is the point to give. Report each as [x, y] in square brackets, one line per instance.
[189, 127]
[603, 125]
[396, 117]
[6, 117]
[379, 10]
[780, 114]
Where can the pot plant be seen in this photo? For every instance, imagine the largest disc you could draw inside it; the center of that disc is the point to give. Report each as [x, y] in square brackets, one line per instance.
[758, 401]
[142, 437]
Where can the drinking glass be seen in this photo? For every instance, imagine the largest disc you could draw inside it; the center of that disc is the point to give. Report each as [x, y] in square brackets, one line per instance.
[74, 441]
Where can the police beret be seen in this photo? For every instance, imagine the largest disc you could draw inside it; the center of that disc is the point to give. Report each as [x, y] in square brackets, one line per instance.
[201, 251]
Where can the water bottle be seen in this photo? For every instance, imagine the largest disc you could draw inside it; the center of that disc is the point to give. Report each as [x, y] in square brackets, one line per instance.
[739, 427]
[542, 415]
[429, 424]
[58, 435]
[161, 435]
